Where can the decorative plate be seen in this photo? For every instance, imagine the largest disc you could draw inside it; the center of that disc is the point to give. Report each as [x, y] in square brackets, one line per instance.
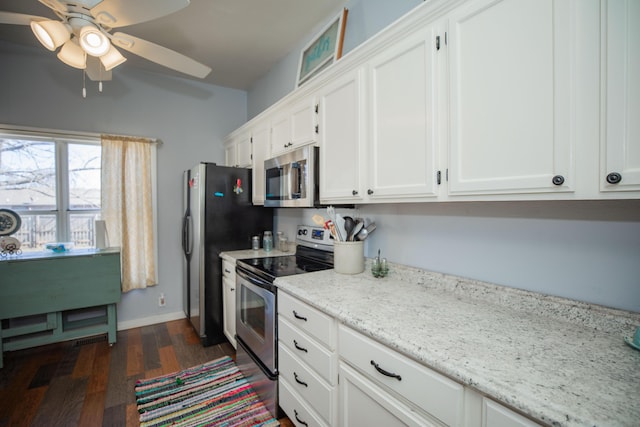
[10, 222]
[9, 245]
[629, 340]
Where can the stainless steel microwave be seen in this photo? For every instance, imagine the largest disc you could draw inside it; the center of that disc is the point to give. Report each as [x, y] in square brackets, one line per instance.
[291, 179]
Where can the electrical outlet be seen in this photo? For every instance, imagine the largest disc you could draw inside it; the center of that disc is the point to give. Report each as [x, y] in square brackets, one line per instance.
[161, 301]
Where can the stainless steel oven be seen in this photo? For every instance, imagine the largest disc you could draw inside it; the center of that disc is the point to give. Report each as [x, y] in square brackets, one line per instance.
[256, 308]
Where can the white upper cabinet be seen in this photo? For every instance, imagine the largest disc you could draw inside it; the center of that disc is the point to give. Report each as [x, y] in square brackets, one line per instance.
[294, 125]
[620, 144]
[237, 150]
[341, 120]
[260, 145]
[511, 97]
[402, 154]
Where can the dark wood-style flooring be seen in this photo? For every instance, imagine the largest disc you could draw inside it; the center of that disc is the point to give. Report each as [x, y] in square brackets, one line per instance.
[89, 383]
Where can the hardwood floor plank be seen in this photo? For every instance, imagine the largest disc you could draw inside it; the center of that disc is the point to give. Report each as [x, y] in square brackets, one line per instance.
[150, 349]
[26, 408]
[115, 416]
[133, 417]
[99, 377]
[162, 335]
[168, 360]
[84, 364]
[43, 375]
[135, 361]
[92, 409]
[117, 384]
[176, 327]
[62, 403]
[68, 361]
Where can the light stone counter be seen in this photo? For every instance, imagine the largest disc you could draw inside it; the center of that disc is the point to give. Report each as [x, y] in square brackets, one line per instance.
[561, 362]
[250, 253]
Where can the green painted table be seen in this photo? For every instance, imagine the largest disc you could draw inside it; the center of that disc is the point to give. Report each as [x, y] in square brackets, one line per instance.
[58, 286]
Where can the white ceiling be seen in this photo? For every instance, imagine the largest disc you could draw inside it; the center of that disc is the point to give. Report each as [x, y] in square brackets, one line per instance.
[239, 39]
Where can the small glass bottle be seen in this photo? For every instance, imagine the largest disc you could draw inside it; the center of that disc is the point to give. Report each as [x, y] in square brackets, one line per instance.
[255, 243]
[267, 241]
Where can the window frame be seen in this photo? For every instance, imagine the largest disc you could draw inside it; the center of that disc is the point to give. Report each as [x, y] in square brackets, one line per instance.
[61, 141]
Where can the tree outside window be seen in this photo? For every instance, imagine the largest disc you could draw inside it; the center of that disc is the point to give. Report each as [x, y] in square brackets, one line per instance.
[54, 185]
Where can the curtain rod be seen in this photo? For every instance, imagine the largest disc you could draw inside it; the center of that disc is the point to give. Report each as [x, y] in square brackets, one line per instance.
[55, 132]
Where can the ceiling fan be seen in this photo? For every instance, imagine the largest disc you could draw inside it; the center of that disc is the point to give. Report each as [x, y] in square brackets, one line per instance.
[83, 34]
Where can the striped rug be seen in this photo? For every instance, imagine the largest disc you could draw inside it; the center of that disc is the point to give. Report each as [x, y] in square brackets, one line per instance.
[212, 394]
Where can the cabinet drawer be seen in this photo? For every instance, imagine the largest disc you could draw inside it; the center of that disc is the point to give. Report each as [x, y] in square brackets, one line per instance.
[308, 350]
[308, 319]
[296, 409]
[496, 415]
[229, 270]
[430, 391]
[307, 384]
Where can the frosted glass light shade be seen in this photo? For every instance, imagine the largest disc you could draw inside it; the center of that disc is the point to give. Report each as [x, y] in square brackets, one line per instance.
[73, 55]
[112, 58]
[93, 41]
[51, 34]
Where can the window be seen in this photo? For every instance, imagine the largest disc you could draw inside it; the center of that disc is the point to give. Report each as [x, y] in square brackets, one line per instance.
[53, 183]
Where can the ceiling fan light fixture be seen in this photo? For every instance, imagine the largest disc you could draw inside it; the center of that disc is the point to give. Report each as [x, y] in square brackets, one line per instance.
[52, 34]
[73, 55]
[93, 41]
[112, 58]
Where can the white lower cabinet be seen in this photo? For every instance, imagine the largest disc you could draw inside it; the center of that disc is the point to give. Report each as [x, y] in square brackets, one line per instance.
[496, 415]
[307, 363]
[229, 300]
[411, 386]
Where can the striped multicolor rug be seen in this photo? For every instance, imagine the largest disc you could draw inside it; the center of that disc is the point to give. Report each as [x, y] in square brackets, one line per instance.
[214, 393]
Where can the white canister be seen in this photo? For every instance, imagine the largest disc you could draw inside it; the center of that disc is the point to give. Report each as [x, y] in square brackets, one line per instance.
[348, 257]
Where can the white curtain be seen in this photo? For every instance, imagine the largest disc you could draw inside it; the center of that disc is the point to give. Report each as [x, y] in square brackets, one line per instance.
[127, 207]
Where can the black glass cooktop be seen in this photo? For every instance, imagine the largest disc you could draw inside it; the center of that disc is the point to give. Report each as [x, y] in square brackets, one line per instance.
[304, 261]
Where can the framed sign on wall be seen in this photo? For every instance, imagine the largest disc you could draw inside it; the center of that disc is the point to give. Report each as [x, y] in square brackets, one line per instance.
[323, 50]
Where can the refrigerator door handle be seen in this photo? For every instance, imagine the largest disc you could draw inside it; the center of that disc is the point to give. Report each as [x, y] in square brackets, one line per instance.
[187, 237]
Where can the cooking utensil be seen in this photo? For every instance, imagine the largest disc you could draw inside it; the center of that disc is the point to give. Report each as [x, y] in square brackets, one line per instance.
[340, 226]
[364, 233]
[349, 223]
[332, 216]
[355, 230]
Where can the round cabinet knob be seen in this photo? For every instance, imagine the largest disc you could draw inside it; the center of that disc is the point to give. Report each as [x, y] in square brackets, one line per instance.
[614, 178]
[354, 192]
[369, 191]
[558, 180]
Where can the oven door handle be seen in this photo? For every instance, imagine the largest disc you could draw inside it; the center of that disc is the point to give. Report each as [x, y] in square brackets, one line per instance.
[254, 280]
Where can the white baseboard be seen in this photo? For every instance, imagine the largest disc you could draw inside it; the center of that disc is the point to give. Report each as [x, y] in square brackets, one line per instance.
[146, 321]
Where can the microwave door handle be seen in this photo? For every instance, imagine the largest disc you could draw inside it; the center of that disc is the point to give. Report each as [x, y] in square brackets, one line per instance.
[296, 180]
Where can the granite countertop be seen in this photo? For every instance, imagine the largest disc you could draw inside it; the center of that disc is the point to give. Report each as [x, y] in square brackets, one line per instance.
[560, 361]
[250, 253]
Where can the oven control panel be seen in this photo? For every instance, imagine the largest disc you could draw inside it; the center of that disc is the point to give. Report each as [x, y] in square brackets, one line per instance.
[314, 237]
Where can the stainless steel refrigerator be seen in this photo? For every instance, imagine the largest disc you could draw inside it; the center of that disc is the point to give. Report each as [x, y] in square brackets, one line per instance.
[218, 216]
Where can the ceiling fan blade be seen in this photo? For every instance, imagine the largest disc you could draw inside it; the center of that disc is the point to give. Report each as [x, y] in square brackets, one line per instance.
[19, 18]
[160, 55]
[119, 13]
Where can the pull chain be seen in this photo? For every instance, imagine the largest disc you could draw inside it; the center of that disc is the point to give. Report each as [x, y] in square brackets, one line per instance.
[84, 87]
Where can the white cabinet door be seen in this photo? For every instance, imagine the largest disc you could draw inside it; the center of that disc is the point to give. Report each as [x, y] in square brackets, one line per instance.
[304, 121]
[341, 120]
[496, 415]
[620, 153]
[294, 125]
[243, 151]
[403, 151]
[511, 97]
[237, 150]
[229, 310]
[260, 146]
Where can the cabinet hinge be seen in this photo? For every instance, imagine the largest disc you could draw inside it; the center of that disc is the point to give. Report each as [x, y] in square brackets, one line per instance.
[445, 38]
[447, 175]
[316, 108]
[437, 42]
[251, 139]
[316, 128]
[438, 178]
